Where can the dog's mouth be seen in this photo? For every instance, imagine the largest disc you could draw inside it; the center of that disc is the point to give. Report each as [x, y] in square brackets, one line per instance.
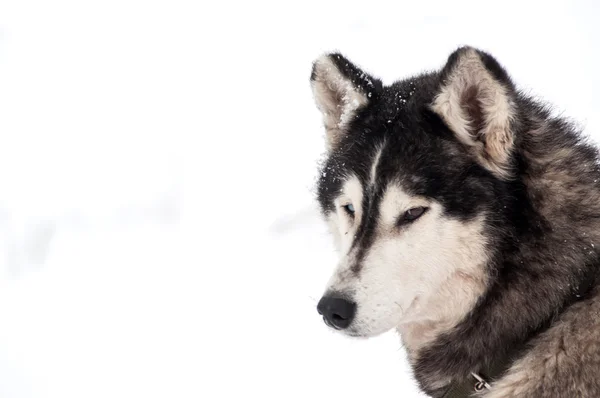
[331, 325]
[350, 332]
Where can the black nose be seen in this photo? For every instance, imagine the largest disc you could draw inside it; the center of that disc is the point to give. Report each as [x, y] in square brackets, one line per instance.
[337, 312]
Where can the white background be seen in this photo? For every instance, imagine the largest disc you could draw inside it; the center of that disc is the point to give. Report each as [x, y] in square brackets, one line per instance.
[158, 234]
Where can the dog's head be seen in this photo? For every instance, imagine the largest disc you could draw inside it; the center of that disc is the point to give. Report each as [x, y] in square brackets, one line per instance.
[411, 186]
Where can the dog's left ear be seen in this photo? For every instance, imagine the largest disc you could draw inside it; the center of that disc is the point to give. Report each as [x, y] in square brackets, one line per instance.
[341, 90]
[475, 99]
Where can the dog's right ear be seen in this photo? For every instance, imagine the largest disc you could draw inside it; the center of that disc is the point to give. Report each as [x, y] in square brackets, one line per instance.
[341, 90]
[476, 100]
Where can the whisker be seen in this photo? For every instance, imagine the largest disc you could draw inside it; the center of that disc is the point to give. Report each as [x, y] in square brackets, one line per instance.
[398, 304]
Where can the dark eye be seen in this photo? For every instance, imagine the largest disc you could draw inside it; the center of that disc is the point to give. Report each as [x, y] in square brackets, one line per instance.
[349, 209]
[412, 214]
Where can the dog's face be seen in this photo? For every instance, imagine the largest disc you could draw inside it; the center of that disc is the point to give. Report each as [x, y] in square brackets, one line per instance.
[407, 197]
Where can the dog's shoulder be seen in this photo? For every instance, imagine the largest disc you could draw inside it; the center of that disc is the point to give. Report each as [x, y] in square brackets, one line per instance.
[564, 361]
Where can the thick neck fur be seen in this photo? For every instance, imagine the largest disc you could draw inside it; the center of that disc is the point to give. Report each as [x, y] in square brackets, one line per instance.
[538, 265]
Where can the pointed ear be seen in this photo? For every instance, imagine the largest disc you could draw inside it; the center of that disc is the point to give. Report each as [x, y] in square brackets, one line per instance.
[340, 90]
[475, 99]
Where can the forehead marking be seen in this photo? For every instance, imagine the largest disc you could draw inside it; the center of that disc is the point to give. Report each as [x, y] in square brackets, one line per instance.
[376, 159]
[353, 190]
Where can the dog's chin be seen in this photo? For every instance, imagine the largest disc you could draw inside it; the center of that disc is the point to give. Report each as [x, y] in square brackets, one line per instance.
[355, 334]
[364, 332]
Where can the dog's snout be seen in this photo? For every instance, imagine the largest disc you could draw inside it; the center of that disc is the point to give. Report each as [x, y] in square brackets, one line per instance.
[337, 312]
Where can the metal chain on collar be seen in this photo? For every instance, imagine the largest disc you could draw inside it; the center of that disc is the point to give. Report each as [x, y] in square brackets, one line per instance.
[481, 383]
[465, 390]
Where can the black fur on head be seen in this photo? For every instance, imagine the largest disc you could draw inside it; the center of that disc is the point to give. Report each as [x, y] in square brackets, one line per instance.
[421, 150]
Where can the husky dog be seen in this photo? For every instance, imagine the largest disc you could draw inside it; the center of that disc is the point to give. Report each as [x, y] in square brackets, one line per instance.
[467, 218]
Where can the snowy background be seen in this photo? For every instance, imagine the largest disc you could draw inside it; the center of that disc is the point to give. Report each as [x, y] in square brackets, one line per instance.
[158, 234]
